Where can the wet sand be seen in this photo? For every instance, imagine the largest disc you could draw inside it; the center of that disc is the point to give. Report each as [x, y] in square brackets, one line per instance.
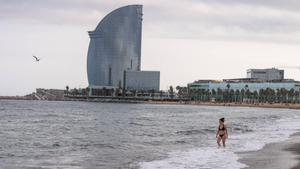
[282, 155]
[257, 105]
[296, 150]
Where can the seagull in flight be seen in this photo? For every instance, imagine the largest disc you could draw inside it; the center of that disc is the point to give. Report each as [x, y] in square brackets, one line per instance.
[36, 58]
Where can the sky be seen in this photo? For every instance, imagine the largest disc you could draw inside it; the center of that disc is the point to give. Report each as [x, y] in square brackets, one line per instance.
[186, 40]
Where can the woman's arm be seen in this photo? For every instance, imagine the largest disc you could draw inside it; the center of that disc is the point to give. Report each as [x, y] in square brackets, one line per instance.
[217, 133]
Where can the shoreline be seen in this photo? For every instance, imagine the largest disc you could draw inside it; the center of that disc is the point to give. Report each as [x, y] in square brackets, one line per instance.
[133, 101]
[281, 155]
[261, 105]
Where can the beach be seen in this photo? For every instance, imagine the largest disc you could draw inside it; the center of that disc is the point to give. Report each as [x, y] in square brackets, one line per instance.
[257, 105]
[282, 155]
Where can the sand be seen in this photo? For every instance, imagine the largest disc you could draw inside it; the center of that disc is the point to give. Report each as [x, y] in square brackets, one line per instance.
[283, 155]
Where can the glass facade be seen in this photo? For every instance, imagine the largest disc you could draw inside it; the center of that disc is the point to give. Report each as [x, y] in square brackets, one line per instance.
[115, 46]
[142, 80]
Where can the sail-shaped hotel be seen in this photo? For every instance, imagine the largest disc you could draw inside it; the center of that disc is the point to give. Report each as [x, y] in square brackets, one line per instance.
[114, 53]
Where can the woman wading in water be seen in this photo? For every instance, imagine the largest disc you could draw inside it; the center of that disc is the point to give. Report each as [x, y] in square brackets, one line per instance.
[222, 133]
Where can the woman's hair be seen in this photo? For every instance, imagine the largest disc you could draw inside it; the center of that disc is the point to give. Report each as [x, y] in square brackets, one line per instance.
[222, 119]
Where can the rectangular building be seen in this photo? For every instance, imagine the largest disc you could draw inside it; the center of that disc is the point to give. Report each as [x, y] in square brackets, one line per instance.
[142, 80]
[244, 85]
[265, 74]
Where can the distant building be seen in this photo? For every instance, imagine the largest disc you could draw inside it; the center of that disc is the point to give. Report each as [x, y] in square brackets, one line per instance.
[256, 80]
[265, 74]
[244, 85]
[115, 48]
[142, 80]
[49, 94]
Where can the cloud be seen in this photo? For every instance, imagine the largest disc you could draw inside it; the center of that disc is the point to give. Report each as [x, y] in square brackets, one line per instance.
[195, 19]
[277, 4]
[204, 38]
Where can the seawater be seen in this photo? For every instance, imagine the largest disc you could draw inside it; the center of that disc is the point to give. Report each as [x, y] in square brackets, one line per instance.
[84, 135]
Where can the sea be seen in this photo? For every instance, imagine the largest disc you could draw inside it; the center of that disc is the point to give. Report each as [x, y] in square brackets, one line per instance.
[90, 135]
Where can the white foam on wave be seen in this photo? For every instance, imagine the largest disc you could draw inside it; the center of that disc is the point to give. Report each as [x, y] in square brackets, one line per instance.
[277, 131]
[210, 157]
[201, 158]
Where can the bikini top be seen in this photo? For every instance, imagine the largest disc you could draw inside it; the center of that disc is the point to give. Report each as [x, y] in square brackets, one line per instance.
[222, 128]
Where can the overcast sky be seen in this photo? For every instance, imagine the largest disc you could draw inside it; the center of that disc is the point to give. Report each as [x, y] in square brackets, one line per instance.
[185, 39]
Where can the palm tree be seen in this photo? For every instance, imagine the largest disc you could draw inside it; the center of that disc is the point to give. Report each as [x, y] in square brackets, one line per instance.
[255, 95]
[220, 95]
[75, 91]
[178, 88]
[270, 93]
[231, 95]
[284, 94]
[297, 96]
[248, 94]
[67, 89]
[242, 95]
[228, 86]
[184, 92]
[291, 94]
[213, 92]
[278, 95]
[237, 96]
[171, 91]
[179, 91]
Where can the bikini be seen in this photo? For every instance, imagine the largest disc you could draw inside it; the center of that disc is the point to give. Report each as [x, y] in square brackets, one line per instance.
[221, 135]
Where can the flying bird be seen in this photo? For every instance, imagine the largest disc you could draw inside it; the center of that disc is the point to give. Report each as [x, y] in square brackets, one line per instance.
[36, 58]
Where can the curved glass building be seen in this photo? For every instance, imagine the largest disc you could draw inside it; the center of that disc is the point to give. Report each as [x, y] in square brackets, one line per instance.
[115, 46]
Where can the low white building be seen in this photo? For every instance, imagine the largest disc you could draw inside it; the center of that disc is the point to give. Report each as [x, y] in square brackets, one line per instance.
[244, 85]
[256, 80]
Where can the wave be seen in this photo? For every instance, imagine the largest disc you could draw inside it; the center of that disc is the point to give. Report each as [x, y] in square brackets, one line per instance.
[208, 156]
[191, 132]
[200, 158]
[240, 128]
[179, 142]
[277, 131]
[136, 124]
[93, 145]
[145, 119]
[25, 109]
[210, 130]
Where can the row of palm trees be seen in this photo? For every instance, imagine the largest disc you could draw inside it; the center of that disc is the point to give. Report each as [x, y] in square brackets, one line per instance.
[227, 95]
[112, 92]
[267, 95]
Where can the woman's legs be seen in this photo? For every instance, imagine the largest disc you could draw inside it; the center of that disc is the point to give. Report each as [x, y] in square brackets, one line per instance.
[219, 140]
[224, 140]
